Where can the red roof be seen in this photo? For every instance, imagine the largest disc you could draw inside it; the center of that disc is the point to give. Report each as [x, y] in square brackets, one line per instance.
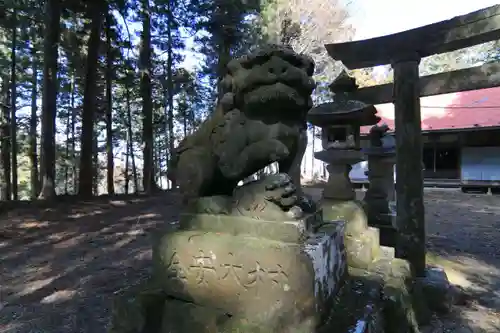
[467, 109]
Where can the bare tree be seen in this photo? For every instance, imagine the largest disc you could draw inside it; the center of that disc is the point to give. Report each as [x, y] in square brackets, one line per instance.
[306, 25]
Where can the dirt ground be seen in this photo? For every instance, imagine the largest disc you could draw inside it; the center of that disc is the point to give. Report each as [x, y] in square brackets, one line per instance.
[464, 238]
[60, 268]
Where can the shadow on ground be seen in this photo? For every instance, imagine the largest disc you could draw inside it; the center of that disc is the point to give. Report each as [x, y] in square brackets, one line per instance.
[61, 267]
[480, 281]
[463, 232]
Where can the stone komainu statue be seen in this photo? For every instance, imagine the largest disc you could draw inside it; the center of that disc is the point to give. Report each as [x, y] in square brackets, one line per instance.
[376, 134]
[239, 260]
[260, 119]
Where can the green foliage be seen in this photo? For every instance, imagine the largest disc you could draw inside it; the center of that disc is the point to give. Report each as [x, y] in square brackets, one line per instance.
[226, 30]
[222, 29]
[181, 97]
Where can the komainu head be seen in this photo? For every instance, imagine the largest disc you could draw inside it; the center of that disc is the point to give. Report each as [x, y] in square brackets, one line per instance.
[260, 119]
[273, 78]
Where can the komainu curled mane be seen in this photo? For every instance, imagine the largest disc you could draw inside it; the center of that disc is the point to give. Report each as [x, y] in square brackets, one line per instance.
[260, 119]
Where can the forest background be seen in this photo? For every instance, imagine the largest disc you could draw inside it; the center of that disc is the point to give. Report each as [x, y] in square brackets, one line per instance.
[94, 95]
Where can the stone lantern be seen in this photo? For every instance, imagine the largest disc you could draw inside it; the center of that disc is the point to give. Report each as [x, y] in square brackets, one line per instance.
[380, 200]
[340, 123]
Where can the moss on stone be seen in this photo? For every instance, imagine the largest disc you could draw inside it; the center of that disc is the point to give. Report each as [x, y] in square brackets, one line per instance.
[359, 302]
[350, 211]
[399, 304]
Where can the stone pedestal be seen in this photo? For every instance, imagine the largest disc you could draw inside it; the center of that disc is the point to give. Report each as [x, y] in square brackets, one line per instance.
[361, 241]
[339, 186]
[237, 274]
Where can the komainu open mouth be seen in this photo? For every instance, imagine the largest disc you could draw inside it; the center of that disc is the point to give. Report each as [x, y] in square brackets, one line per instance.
[277, 96]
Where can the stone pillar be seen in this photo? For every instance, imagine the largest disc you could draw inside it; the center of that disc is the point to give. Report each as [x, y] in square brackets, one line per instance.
[409, 178]
[339, 186]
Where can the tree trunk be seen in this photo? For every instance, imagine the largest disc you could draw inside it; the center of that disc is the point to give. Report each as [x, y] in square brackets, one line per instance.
[185, 115]
[127, 175]
[66, 162]
[49, 98]
[147, 105]
[5, 141]
[85, 187]
[73, 133]
[224, 55]
[134, 168]
[70, 131]
[13, 96]
[35, 183]
[109, 110]
[192, 120]
[155, 160]
[158, 165]
[170, 85]
[166, 115]
[130, 137]
[95, 161]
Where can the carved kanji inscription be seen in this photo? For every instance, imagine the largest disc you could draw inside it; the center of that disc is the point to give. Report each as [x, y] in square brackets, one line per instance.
[255, 276]
[175, 270]
[252, 276]
[203, 266]
[278, 276]
[232, 271]
[205, 269]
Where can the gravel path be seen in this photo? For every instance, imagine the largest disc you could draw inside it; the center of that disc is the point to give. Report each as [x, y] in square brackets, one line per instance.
[60, 268]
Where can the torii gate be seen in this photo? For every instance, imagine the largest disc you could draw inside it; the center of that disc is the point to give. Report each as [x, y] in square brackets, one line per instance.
[403, 51]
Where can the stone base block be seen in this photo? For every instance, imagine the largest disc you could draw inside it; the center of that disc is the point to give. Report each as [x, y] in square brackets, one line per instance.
[261, 284]
[399, 308]
[182, 317]
[361, 241]
[398, 301]
[389, 269]
[388, 252]
[374, 235]
[351, 212]
[363, 249]
[185, 317]
[288, 232]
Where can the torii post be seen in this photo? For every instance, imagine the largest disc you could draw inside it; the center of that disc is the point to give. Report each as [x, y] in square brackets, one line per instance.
[403, 51]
